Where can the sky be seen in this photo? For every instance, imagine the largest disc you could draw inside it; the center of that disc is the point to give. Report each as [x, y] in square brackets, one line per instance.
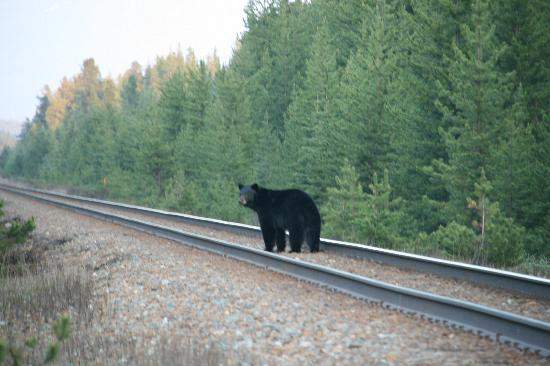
[42, 41]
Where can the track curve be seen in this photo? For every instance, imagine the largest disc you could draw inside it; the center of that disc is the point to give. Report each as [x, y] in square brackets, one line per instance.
[506, 280]
[501, 326]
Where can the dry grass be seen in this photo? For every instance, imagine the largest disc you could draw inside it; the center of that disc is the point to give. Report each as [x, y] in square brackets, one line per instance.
[123, 351]
[177, 352]
[35, 290]
[534, 266]
[37, 287]
[46, 293]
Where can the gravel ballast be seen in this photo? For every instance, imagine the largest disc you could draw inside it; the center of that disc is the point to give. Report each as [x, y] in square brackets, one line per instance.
[493, 297]
[157, 286]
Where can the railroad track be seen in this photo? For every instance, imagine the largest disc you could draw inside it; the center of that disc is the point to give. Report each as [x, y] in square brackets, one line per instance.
[501, 326]
[505, 280]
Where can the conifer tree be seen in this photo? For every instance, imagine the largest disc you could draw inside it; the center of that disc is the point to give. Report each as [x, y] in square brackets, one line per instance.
[375, 218]
[370, 94]
[305, 148]
[198, 85]
[345, 206]
[384, 219]
[88, 86]
[111, 94]
[61, 102]
[430, 29]
[151, 83]
[523, 26]
[172, 105]
[343, 20]
[474, 106]
[500, 240]
[445, 99]
[130, 95]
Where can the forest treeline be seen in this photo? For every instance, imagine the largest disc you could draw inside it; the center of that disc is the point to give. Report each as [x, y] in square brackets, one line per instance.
[418, 125]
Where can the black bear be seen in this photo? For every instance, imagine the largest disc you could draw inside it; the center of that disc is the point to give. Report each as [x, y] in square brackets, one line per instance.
[280, 210]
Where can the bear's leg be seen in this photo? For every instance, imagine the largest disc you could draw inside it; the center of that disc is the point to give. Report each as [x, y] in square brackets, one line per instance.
[268, 233]
[296, 239]
[312, 239]
[280, 239]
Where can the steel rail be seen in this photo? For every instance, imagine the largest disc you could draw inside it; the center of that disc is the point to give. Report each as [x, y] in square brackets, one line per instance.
[506, 280]
[501, 326]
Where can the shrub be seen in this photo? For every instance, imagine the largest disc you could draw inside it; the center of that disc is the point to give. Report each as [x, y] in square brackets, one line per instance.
[13, 231]
[374, 217]
[455, 240]
[504, 241]
[62, 330]
[537, 239]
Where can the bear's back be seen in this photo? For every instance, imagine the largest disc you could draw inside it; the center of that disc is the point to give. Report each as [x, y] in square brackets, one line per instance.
[291, 202]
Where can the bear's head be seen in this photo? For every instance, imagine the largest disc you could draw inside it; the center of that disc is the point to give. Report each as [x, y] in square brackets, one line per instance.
[248, 195]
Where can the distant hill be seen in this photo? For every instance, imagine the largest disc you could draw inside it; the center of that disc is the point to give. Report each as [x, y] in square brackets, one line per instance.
[6, 139]
[11, 126]
[9, 129]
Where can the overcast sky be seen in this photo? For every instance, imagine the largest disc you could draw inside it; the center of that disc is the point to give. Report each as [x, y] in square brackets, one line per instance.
[42, 41]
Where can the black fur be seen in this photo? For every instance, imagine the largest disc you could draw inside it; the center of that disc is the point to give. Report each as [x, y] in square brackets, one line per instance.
[289, 209]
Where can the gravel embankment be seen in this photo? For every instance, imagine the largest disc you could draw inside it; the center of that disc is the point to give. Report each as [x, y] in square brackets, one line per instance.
[159, 286]
[485, 295]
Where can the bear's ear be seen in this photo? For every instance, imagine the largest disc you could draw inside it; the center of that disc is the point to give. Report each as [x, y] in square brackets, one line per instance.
[255, 187]
[240, 186]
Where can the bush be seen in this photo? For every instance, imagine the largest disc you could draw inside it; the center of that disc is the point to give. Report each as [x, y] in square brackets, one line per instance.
[13, 231]
[62, 330]
[504, 241]
[345, 207]
[534, 266]
[455, 240]
[503, 244]
[374, 217]
[181, 194]
[537, 239]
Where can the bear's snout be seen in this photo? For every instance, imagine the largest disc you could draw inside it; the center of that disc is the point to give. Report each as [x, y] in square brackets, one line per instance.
[242, 200]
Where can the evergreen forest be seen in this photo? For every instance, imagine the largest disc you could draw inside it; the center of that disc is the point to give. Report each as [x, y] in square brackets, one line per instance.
[417, 125]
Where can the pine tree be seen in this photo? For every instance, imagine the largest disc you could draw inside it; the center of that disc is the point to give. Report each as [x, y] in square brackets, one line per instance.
[88, 86]
[61, 102]
[349, 213]
[172, 105]
[130, 94]
[500, 240]
[473, 107]
[523, 26]
[343, 19]
[309, 114]
[445, 99]
[272, 57]
[155, 157]
[291, 43]
[384, 219]
[431, 28]
[151, 83]
[513, 146]
[371, 92]
[345, 206]
[111, 94]
[198, 85]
